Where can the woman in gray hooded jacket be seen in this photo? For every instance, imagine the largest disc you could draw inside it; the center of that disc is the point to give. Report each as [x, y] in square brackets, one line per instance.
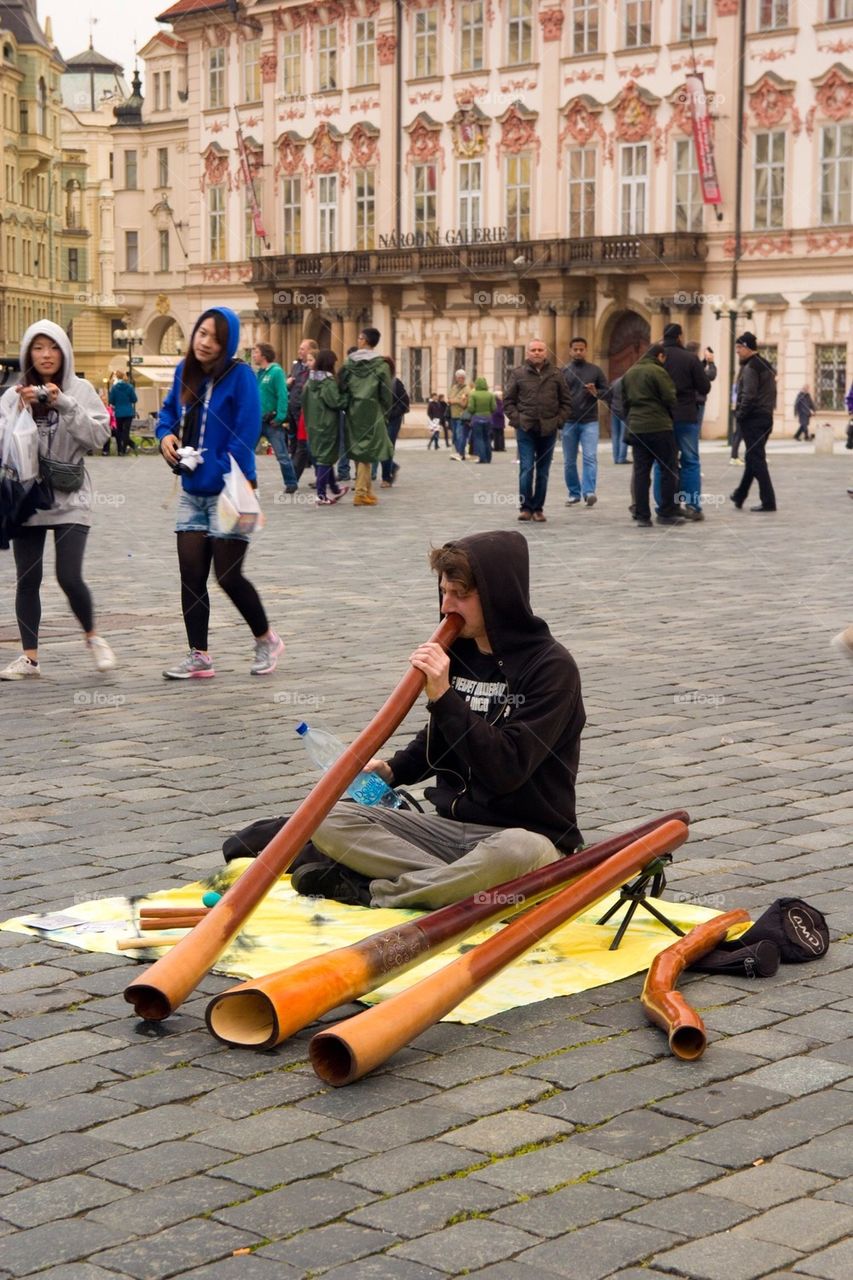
[71, 422]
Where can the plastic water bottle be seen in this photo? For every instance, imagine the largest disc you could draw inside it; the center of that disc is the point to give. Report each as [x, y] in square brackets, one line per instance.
[367, 788]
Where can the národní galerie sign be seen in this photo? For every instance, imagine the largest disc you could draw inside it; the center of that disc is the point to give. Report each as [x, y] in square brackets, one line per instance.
[432, 239]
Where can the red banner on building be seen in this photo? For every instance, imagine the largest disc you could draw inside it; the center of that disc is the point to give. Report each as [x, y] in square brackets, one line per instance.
[703, 139]
[246, 170]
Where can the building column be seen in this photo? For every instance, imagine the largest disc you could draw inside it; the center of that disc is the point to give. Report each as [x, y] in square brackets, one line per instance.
[337, 339]
[548, 330]
[350, 319]
[563, 330]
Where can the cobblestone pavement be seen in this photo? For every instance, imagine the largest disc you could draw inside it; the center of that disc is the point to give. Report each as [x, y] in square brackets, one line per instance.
[555, 1140]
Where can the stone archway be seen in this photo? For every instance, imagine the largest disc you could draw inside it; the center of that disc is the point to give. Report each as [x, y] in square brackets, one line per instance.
[630, 335]
[316, 326]
[163, 335]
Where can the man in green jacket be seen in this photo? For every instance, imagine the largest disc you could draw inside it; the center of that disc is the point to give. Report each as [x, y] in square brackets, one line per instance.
[365, 383]
[649, 396]
[273, 390]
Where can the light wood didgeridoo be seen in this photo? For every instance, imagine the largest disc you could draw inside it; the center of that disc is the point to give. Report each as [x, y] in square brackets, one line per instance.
[265, 1011]
[351, 1049]
[664, 1005]
[163, 987]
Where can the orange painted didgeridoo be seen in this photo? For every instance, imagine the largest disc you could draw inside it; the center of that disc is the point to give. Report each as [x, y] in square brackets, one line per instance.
[351, 1049]
[664, 1005]
[163, 987]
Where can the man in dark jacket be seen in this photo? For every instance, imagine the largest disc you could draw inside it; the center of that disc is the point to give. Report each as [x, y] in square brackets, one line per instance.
[296, 381]
[710, 367]
[502, 742]
[649, 397]
[691, 381]
[586, 385]
[536, 402]
[754, 405]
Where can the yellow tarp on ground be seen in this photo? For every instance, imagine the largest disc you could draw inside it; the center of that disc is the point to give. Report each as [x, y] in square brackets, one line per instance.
[286, 928]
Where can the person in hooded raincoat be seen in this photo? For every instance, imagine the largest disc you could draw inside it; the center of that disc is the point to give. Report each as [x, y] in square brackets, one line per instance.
[365, 383]
[72, 421]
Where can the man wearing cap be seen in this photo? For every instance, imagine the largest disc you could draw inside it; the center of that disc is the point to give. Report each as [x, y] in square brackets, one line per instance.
[754, 405]
[691, 381]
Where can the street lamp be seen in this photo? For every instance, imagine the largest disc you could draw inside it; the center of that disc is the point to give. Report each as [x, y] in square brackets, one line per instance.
[733, 308]
[130, 336]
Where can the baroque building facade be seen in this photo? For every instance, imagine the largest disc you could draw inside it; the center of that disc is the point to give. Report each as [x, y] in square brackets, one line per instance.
[469, 175]
[45, 241]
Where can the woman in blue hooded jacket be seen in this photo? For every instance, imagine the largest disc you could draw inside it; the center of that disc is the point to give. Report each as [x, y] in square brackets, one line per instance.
[214, 408]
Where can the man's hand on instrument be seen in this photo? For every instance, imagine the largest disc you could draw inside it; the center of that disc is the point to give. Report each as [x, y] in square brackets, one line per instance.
[382, 767]
[435, 664]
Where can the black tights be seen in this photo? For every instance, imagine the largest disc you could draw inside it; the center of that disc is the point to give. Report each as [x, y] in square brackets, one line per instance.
[196, 553]
[70, 544]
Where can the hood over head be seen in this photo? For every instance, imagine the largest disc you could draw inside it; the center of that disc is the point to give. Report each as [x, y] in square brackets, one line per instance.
[57, 335]
[501, 564]
[232, 321]
[481, 385]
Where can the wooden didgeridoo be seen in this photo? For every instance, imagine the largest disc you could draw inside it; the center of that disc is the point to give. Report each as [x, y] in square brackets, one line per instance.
[666, 1006]
[171, 979]
[351, 1049]
[265, 1011]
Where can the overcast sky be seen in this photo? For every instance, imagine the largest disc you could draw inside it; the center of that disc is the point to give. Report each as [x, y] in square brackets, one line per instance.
[118, 23]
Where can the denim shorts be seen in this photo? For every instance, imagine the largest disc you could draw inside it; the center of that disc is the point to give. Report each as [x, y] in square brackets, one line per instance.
[197, 514]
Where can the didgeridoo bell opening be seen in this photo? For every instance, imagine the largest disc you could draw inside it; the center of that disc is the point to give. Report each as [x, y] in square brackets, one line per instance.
[247, 1019]
[333, 1059]
[688, 1043]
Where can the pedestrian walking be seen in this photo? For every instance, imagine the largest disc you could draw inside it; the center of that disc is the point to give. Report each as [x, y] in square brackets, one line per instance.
[482, 404]
[649, 398]
[618, 426]
[296, 381]
[104, 398]
[400, 406]
[536, 403]
[457, 400]
[123, 399]
[365, 383]
[212, 414]
[691, 381]
[71, 421]
[321, 406]
[435, 417]
[804, 410]
[756, 401]
[272, 389]
[498, 423]
[586, 385]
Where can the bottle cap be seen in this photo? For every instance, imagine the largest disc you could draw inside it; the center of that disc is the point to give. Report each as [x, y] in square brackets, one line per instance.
[302, 728]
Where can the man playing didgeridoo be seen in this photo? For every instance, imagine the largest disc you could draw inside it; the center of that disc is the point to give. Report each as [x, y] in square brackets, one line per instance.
[502, 743]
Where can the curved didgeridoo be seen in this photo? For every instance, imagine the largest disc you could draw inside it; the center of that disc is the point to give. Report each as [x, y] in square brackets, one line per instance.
[351, 1049]
[666, 1006]
[170, 980]
[265, 1011]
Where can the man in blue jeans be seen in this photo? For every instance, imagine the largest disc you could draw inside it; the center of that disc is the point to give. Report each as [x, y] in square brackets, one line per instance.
[691, 382]
[586, 385]
[273, 392]
[536, 401]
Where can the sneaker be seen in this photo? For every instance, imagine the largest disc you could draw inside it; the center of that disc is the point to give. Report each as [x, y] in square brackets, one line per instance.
[291, 488]
[643, 523]
[838, 643]
[328, 879]
[590, 499]
[22, 668]
[337, 494]
[454, 457]
[195, 666]
[325, 502]
[268, 652]
[365, 500]
[385, 484]
[735, 462]
[692, 513]
[670, 520]
[572, 502]
[105, 659]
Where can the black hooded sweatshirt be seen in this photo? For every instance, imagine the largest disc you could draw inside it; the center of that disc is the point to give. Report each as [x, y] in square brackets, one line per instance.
[516, 765]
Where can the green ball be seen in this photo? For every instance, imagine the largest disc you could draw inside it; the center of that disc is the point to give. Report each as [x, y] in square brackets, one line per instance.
[211, 898]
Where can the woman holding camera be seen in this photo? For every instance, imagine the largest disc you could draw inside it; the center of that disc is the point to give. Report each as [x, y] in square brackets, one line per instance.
[71, 422]
[211, 412]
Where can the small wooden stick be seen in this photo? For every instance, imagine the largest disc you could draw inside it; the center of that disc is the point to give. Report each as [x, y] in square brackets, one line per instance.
[169, 922]
[155, 940]
[165, 913]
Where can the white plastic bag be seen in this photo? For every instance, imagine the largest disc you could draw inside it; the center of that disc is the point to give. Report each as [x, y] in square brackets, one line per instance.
[238, 509]
[21, 445]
